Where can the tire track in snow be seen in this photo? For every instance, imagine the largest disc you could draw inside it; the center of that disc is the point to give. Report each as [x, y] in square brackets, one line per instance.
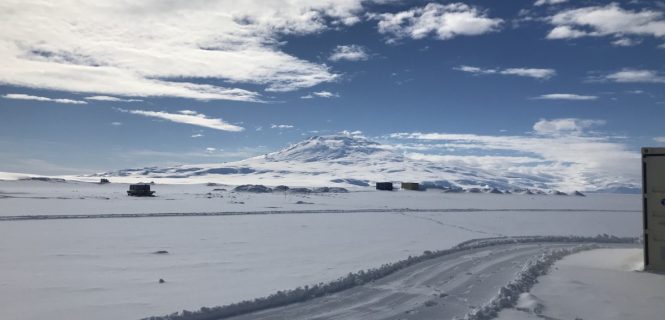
[446, 284]
[449, 225]
[266, 212]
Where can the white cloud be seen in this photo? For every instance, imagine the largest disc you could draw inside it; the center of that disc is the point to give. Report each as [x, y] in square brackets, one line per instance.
[659, 139]
[325, 94]
[565, 126]
[566, 96]
[189, 117]
[560, 149]
[566, 32]
[154, 48]
[197, 135]
[320, 94]
[354, 134]
[442, 21]
[625, 42]
[548, 2]
[537, 73]
[662, 46]
[210, 149]
[477, 70]
[530, 72]
[111, 99]
[20, 96]
[281, 126]
[115, 123]
[188, 112]
[608, 20]
[349, 52]
[485, 162]
[635, 75]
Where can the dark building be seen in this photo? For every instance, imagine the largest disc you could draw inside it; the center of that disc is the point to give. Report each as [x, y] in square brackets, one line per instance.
[388, 186]
[411, 186]
[140, 190]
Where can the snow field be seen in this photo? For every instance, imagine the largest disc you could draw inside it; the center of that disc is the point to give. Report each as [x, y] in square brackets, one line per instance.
[596, 284]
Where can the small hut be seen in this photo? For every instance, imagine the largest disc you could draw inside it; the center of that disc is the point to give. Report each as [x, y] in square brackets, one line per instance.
[386, 186]
[411, 186]
[140, 190]
[104, 181]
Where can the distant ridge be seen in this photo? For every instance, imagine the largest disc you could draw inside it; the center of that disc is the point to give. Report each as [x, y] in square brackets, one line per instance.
[353, 161]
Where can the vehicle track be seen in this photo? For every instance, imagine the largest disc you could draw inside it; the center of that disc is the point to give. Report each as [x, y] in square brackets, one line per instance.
[265, 212]
[464, 281]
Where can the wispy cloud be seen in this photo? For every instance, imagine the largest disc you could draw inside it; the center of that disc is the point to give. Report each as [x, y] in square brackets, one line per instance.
[565, 150]
[197, 135]
[608, 20]
[188, 117]
[116, 123]
[566, 96]
[349, 53]
[20, 96]
[281, 126]
[537, 73]
[626, 42]
[628, 75]
[442, 21]
[548, 2]
[567, 126]
[111, 99]
[659, 139]
[320, 94]
[148, 49]
[354, 133]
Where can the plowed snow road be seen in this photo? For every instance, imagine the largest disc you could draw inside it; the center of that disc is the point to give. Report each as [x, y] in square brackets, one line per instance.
[442, 288]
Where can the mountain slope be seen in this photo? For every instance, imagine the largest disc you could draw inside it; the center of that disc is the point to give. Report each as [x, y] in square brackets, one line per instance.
[344, 161]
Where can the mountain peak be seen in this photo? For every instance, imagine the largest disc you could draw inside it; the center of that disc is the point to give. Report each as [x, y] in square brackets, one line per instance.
[329, 147]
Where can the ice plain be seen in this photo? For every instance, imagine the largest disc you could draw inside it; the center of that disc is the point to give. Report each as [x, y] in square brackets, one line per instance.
[107, 269]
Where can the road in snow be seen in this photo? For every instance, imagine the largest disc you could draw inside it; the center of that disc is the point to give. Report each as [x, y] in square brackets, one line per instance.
[441, 288]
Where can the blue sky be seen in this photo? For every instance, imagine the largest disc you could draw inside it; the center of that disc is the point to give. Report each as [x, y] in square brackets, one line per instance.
[110, 85]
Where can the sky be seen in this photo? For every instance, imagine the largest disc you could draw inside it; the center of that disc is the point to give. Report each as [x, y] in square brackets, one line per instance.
[575, 87]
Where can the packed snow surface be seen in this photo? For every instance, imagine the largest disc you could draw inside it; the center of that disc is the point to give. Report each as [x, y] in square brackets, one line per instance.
[441, 288]
[108, 268]
[599, 284]
[73, 197]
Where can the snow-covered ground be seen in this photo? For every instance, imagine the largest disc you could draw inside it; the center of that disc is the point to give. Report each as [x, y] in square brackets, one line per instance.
[73, 197]
[598, 284]
[107, 269]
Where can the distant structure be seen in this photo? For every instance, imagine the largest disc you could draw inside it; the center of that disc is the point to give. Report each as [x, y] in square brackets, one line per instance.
[104, 181]
[140, 190]
[653, 197]
[411, 186]
[386, 186]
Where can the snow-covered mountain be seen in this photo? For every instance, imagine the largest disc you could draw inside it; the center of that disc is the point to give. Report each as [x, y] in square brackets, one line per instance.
[343, 160]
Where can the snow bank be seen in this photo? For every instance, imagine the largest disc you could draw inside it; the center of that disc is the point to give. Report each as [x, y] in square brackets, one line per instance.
[597, 284]
[509, 294]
